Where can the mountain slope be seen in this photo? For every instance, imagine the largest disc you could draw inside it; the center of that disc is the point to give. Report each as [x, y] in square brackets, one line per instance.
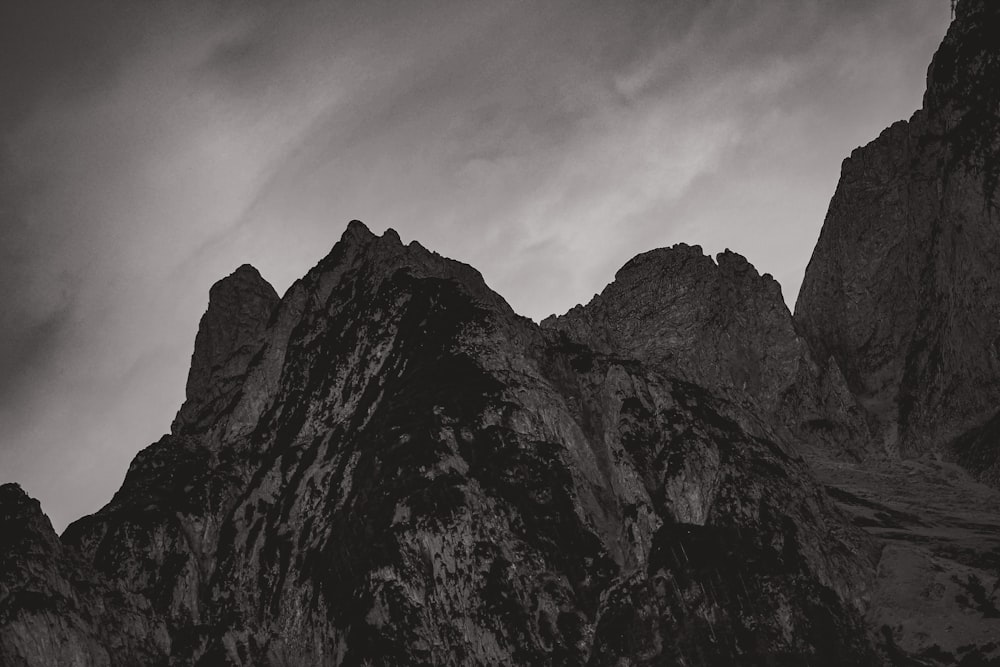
[721, 325]
[389, 466]
[55, 610]
[902, 288]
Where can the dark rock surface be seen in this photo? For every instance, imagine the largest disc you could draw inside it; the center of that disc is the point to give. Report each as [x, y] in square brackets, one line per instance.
[722, 325]
[715, 322]
[55, 610]
[388, 466]
[229, 336]
[937, 593]
[903, 289]
[407, 472]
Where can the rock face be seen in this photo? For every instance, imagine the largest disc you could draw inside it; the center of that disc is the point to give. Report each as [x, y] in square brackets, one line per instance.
[239, 308]
[55, 610]
[717, 322]
[903, 290]
[388, 466]
[398, 469]
[721, 325]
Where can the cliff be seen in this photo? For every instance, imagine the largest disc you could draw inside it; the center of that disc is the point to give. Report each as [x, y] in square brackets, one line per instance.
[400, 469]
[902, 289]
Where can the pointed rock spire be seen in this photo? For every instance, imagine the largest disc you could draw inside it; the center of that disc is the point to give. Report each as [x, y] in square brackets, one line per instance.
[239, 308]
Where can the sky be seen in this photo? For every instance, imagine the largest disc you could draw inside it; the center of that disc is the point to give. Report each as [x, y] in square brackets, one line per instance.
[148, 149]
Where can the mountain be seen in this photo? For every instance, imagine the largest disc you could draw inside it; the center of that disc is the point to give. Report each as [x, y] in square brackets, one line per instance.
[55, 609]
[903, 290]
[389, 466]
[719, 324]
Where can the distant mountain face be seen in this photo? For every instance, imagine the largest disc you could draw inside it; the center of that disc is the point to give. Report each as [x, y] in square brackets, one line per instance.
[721, 325]
[388, 466]
[903, 289]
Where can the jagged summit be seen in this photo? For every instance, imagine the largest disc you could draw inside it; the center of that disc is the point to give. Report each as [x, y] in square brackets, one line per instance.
[358, 233]
[245, 272]
[721, 325]
[962, 74]
[675, 254]
[357, 229]
[239, 308]
[247, 321]
[379, 257]
[386, 465]
[665, 258]
[709, 321]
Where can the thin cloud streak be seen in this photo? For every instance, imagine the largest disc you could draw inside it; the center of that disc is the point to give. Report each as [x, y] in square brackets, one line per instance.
[151, 150]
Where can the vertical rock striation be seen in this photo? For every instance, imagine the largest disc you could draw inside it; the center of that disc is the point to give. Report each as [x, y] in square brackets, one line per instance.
[721, 325]
[229, 335]
[55, 610]
[402, 470]
[388, 466]
[902, 289]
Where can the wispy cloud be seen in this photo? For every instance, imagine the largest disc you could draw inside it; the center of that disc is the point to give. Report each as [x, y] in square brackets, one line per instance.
[148, 149]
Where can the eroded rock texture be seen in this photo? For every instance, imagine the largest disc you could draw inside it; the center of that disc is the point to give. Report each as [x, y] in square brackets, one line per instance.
[903, 289]
[55, 610]
[229, 336]
[387, 466]
[721, 325]
[400, 470]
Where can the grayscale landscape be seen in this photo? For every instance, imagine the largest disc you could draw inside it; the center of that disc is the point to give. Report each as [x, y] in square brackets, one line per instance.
[384, 462]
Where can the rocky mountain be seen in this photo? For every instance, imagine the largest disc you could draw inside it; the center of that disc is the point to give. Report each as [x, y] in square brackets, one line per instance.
[389, 466]
[721, 325]
[903, 290]
[228, 337]
[55, 609]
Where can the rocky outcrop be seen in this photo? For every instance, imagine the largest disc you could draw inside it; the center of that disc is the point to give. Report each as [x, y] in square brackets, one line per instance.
[721, 325]
[239, 308]
[407, 471]
[718, 323]
[902, 291]
[55, 610]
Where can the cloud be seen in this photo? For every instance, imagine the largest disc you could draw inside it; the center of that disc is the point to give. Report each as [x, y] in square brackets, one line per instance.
[148, 149]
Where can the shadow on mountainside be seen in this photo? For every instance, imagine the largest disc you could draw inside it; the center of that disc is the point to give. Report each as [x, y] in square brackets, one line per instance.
[937, 594]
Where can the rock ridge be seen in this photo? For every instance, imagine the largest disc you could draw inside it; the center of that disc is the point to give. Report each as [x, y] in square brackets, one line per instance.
[406, 470]
[722, 325]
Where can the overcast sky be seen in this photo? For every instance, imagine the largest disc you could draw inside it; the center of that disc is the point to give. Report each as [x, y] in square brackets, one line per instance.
[149, 148]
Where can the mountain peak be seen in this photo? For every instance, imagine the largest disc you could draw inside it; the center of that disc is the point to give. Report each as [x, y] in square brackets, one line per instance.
[239, 307]
[21, 516]
[391, 234]
[396, 455]
[665, 260]
[679, 307]
[357, 231]
[246, 278]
